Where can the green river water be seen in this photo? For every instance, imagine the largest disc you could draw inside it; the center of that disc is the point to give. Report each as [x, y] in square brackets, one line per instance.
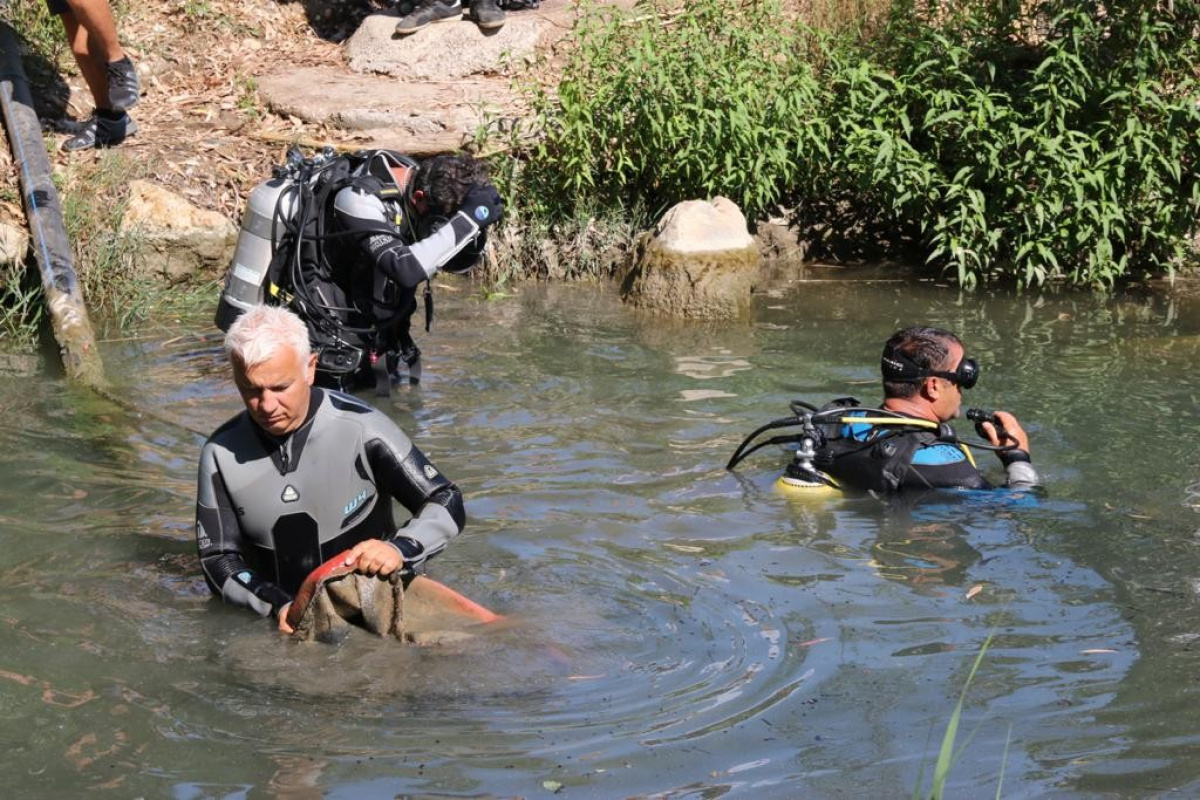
[679, 631]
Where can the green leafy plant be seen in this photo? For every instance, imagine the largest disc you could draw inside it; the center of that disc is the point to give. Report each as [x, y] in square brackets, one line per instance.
[113, 283]
[41, 31]
[247, 94]
[21, 305]
[1034, 142]
[657, 105]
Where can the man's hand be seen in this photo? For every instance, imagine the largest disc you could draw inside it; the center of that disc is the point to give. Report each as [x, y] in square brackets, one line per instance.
[374, 557]
[283, 623]
[483, 204]
[1011, 427]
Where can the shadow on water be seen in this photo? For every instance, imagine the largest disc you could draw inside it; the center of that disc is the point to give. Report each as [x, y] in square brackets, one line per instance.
[679, 631]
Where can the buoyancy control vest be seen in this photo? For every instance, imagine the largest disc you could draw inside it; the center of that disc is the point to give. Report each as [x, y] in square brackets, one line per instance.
[879, 458]
[291, 251]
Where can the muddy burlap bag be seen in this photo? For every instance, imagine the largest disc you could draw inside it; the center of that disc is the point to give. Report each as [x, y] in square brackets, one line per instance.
[343, 602]
[334, 600]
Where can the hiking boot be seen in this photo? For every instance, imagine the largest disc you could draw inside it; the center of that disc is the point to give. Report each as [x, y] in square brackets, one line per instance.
[124, 86]
[101, 132]
[433, 11]
[487, 14]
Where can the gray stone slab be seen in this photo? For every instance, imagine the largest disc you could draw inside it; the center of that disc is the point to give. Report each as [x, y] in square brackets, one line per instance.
[442, 51]
[411, 115]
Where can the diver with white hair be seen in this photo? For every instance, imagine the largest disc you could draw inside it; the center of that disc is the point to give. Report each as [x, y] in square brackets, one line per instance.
[304, 474]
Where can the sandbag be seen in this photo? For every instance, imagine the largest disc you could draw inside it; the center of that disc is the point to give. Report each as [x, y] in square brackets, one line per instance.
[334, 599]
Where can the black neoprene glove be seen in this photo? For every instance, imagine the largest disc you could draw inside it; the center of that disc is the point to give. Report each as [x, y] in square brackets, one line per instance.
[1013, 456]
[483, 204]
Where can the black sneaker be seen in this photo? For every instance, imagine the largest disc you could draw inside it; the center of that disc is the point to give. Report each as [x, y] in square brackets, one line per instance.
[124, 86]
[487, 14]
[433, 11]
[101, 132]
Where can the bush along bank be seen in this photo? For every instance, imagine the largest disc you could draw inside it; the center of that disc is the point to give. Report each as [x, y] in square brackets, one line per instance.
[1027, 142]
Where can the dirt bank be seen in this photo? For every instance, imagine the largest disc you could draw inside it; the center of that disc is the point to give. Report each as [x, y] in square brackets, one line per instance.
[207, 130]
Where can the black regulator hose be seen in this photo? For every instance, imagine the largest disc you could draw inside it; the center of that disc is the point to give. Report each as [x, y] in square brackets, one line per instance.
[742, 451]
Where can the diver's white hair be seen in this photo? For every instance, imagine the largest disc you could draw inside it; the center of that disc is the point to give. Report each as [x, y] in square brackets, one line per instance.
[257, 335]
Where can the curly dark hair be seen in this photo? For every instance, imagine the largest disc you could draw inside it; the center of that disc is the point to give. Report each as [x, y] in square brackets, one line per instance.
[445, 181]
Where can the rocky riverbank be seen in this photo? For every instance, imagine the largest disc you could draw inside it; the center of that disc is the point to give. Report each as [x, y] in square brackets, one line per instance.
[229, 86]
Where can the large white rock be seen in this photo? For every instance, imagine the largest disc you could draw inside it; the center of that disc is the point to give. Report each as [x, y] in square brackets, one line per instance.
[14, 243]
[699, 226]
[174, 237]
[700, 261]
[442, 51]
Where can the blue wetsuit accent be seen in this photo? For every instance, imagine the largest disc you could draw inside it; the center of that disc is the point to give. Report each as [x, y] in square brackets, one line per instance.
[938, 455]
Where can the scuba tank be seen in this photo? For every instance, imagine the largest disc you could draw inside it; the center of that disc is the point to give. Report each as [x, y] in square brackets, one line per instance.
[270, 210]
[801, 480]
[269, 202]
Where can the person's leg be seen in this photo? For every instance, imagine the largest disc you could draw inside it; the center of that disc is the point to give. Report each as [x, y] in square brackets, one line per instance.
[94, 70]
[487, 14]
[108, 126]
[430, 11]
[109, 73]
[96, 17]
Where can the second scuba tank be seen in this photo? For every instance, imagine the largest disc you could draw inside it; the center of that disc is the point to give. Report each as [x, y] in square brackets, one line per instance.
[269, 210]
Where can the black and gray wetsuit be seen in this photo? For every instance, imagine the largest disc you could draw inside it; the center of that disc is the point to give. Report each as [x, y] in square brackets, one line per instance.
[391, 254]
[387, 236]
[269, 511]
[881, 459]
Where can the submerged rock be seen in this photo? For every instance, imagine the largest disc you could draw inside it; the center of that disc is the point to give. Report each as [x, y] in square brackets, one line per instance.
[174, 237]
[700, 261]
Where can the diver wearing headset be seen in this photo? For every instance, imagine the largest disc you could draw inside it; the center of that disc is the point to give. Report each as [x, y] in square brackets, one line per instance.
[925, 370]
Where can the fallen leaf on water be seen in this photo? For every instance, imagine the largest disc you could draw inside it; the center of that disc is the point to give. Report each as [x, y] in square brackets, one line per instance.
[24, 680]
[974, 590]
[1096, 650]
[811, 642]
[552, 786]
[62, 699]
